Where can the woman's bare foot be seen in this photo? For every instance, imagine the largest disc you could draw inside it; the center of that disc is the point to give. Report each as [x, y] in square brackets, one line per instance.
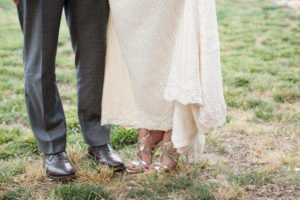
[147, 141]
[168, 160]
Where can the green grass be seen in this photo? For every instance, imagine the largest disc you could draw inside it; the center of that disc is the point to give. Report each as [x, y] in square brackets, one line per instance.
[259, 145]
[287, 94]
[8, 134]
[122, 137]
[252, 177]
[10, 169]
[142, 193]
[16, 193]
[156, 187]
[265, 112]
[20, 147]
[79, 192]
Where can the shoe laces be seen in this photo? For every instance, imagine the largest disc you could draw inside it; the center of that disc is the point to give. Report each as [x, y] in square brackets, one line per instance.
[61, 156]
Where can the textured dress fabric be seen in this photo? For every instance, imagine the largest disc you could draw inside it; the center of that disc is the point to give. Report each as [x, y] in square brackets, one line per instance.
[163, 69]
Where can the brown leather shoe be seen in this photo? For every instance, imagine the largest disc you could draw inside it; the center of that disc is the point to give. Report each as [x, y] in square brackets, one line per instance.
[105, 155]
[58, 167]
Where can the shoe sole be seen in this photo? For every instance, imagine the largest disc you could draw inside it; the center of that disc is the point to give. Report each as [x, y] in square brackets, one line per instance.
[134, 172]
[118, 169]
[61, 178]
[115, 169]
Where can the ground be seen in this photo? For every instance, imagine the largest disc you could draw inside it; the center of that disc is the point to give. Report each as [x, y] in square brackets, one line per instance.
[294, 4]
[256, 155]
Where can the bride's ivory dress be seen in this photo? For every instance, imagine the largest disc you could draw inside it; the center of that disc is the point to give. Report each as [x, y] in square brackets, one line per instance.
[163, 69]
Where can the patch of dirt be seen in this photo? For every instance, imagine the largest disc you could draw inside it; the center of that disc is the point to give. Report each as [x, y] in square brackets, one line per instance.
[294, 4]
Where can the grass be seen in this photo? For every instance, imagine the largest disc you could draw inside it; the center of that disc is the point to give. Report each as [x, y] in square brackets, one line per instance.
[79, 192]
[258, 146]
[16, 193]
[8, 134]
[122, 137]
[253, 177]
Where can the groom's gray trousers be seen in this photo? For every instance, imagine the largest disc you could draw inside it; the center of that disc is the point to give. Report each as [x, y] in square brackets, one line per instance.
[40, 22]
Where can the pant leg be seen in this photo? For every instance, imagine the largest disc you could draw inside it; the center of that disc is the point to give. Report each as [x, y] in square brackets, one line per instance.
[40, 21]
[87, 22]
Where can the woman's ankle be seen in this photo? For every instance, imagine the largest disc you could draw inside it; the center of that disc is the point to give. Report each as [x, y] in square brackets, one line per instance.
[151, 137]
[156, 137]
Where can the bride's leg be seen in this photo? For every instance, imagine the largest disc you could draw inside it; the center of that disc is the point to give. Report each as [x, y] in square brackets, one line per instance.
[171, 156]
[147, 141]
[151, 138]
[168, 159]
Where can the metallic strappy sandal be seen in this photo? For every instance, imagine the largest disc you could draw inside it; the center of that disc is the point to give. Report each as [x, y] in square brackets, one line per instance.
[142, 147]
[171, 153]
